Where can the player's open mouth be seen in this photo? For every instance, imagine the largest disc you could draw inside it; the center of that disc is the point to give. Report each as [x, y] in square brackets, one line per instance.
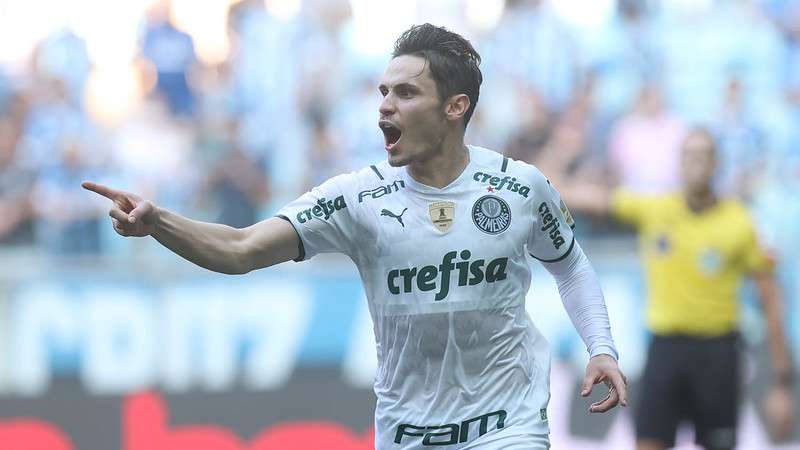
[391, 133]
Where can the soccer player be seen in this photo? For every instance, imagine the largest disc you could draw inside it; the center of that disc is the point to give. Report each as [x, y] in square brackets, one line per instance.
[439, 234]
[696, 248]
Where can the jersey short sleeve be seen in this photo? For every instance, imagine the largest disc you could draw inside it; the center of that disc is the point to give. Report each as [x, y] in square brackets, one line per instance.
[322, 219]
[628, 207]
[755, 259]
[551, 238]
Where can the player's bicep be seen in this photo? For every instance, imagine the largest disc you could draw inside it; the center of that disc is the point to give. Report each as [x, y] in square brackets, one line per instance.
[269, 242]
[551, 237]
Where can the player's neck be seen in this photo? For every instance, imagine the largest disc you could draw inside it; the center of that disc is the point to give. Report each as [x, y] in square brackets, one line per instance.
[700, 200]
[442, 168]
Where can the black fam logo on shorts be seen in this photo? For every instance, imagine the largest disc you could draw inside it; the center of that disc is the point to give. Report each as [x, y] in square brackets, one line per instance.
[491, 214]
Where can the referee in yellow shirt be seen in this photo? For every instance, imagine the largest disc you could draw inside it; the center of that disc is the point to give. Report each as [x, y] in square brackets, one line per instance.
[696, 249]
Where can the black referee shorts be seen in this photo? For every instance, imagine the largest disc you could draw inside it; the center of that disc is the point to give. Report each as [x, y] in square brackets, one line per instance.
[694, 379]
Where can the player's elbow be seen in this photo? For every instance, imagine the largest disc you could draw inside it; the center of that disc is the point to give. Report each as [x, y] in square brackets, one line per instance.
[237, 266]
[243, 261]
[238, 257]
[248, 253]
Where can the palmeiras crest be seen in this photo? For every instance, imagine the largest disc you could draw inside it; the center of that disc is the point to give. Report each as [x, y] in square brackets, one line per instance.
[491, 214]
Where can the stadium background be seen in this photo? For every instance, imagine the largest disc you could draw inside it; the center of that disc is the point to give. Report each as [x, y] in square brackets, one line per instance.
[225, 110]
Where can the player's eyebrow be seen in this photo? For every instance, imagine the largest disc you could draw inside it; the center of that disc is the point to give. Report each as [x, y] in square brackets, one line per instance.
[404, 85]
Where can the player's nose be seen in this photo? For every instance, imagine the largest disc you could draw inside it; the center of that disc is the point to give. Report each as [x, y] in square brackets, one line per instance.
[387, 107]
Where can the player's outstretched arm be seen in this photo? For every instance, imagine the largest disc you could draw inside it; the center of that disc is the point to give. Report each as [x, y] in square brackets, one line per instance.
[216, 247]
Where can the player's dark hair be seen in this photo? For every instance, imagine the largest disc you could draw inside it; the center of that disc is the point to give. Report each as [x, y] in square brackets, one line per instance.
[452, 60]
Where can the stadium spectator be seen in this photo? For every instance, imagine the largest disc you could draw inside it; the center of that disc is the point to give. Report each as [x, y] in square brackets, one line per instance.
[49, 118]
[644, 145]
[621, 56]
[534, 130]
[325, 157]
[66, 225]
[63, 55]
[547, 63]
[16, 182]
[152, 148]
[356, 136]
[741, 144]
[171, 51]
[237, 184]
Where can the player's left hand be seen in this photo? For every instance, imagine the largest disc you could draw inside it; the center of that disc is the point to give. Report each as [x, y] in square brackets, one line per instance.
[604, 369]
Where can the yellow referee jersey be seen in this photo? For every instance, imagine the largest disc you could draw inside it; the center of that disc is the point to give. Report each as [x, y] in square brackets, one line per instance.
[694, 261]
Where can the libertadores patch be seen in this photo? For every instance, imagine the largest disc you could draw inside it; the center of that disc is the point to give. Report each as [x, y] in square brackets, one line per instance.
[442, 215]
[491, 214]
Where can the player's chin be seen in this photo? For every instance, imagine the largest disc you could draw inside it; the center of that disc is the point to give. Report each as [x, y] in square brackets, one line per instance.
[394, 162]
[397, 160]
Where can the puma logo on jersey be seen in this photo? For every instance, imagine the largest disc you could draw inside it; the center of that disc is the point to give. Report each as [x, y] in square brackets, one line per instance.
[424, 278]
[380, 191]
[509, 183]
[386, 212]
[551, 223]
[322, 210]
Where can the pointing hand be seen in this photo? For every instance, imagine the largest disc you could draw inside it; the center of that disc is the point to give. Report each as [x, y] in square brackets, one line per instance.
[130, 214]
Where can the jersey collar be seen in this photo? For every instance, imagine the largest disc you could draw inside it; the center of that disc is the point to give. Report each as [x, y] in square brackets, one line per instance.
[465, 174]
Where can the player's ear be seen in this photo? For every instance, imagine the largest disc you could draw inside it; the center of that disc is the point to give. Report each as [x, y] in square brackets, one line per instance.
[456, 106]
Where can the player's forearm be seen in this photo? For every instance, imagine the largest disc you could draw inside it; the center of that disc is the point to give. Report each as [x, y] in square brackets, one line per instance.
[773, 312]
[212, 246]
[584, 302]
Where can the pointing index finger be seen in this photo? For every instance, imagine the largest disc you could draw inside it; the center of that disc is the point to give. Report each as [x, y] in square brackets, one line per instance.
[105, 191]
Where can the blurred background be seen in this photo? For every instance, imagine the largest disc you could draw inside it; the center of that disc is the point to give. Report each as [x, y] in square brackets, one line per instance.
[225, 110]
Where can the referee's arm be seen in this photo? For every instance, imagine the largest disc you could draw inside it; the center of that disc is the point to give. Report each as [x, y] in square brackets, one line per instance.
[779, 401]
[771, 301]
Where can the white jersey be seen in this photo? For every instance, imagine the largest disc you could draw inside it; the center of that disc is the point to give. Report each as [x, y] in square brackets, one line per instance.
[460, 364]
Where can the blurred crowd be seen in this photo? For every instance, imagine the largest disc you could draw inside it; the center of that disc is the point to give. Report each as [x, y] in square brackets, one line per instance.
[294, 103]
